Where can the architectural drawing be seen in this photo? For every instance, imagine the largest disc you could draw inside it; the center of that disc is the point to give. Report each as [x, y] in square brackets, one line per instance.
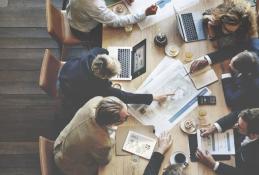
[170, 81]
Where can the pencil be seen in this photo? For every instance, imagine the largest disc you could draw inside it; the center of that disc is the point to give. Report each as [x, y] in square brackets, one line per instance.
[157, 3]
[170, 94]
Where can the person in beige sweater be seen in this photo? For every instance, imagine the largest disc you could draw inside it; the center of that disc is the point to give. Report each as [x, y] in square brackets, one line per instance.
[85, 144]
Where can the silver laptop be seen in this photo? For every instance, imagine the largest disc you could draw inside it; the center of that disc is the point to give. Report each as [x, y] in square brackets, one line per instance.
[190, 26]
[132, 59]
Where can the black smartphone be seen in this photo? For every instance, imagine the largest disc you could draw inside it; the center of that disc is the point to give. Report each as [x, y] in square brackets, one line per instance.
[207, 100]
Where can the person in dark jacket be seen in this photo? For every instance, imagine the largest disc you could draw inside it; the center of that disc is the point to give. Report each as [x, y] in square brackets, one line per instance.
[81, 79]
[241, 87]
[164, 143]
[247, 157]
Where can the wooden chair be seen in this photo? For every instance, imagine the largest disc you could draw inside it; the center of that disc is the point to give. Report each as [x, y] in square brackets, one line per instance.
[47, 164]
[257, 15]
[49, 73]
[58, 28]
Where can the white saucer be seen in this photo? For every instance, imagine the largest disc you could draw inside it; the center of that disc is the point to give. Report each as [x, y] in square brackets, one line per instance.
[172, 50]
[122, 8]
[192, 130]
[172, 159]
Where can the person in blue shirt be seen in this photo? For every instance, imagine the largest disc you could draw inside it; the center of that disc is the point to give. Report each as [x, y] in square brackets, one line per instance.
[241, 82]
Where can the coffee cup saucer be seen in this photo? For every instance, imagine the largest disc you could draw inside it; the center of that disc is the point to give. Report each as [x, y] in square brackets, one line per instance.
[172, 50]
[173, 162]
[120, 9]
[191, 130]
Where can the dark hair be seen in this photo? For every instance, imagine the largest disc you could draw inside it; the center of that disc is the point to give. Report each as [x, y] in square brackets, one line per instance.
[246, 63]
[108, 111]
[251, 117]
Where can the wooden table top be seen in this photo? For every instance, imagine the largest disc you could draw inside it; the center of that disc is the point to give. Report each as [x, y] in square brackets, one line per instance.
[127, 165]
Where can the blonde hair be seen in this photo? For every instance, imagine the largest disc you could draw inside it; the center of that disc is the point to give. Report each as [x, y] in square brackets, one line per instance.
[105, 67]
[238, 10]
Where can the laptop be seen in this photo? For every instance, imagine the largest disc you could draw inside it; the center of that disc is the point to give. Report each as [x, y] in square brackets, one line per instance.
[132, 59]
[190, 26]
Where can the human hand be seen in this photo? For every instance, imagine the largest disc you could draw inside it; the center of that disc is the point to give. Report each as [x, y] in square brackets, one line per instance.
[160, 98]
[198, 64]
[210, 18]
[205, 158]
[164, 142]
[129, 1]
[151, 10]
[207, 131]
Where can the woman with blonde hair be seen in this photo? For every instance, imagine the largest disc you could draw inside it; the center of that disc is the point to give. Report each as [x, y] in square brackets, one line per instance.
[231, 23]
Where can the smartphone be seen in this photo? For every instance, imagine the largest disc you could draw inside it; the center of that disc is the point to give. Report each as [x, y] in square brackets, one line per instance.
[207, 100]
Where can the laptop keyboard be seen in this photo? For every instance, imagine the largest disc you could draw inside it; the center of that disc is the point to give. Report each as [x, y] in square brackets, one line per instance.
[189, 27]
[124, 58]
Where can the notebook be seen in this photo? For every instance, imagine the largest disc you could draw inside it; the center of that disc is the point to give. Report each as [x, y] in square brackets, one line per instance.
[132, 59]
[190, 26]
[203, 77]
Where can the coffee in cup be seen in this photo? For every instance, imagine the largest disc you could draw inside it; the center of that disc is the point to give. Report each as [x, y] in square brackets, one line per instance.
[179, 158]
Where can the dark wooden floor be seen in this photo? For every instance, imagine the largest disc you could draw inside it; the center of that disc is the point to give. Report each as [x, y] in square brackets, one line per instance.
[25, 110]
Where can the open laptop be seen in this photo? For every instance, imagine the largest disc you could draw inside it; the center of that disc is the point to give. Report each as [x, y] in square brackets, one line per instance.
[190, 26]
[132, 59]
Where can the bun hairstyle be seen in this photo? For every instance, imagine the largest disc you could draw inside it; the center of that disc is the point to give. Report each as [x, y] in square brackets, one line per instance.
[105, 67]
[108, 111]
[251, 117]
[246, 63]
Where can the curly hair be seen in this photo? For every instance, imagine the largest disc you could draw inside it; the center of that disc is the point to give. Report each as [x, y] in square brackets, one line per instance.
[236, 12]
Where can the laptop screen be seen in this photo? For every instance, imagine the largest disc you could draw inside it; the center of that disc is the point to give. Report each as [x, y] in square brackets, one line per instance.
[138, 59]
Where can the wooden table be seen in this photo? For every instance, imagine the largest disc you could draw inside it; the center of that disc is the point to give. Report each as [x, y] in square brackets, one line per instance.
[125, 165]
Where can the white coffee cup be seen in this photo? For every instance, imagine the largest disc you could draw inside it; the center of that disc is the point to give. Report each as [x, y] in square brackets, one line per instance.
[179, 157]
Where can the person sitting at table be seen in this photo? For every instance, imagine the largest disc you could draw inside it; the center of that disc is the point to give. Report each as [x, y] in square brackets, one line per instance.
[232, 22]
[247, 157]
[81, 79]
[86, 16]
[85, 143]
[241, 89]
[154, 164]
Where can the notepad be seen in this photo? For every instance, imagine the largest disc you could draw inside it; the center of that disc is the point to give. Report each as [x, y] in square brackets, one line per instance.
[203, 77]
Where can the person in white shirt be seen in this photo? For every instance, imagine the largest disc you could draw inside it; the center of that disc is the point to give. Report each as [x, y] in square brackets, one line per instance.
[86, 16]
[247, 157]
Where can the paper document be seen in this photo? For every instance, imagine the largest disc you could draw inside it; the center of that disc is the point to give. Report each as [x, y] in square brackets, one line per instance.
[139, 144]
[170, 80]
[217, 143]
[203, 77]
[165, 9]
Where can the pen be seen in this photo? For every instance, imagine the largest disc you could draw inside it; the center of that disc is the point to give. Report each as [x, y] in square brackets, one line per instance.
[170, 94]
[188, 73]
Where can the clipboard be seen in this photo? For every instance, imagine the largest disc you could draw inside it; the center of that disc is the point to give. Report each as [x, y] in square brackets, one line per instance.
[122, 132]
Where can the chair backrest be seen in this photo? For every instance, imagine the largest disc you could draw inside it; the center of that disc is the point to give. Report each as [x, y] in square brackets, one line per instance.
[54, 21]
[47, 163]
[49, 73]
